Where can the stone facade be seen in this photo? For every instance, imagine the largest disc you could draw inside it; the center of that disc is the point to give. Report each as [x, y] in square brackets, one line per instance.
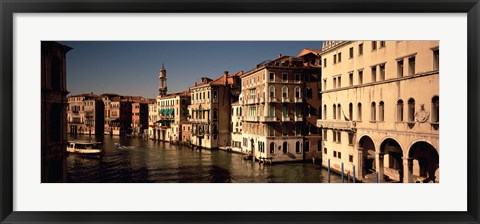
[53, 112]
[236, 128]
[85, 114]
[380, 110]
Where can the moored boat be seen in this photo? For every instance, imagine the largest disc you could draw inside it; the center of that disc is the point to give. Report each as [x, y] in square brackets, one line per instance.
[85, 147]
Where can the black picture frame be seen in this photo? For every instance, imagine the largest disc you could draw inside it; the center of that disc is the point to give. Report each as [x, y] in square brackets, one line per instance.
[9, 7]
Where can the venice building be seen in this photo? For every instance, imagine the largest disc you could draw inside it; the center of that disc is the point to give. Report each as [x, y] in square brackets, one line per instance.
[280, 103]
[380, 109]
[53, 112]
[85, 114]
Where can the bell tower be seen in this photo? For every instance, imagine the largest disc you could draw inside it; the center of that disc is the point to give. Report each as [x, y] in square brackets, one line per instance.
[162, 88]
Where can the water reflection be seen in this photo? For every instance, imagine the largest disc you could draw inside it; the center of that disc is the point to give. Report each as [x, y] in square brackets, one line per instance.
[159, 162]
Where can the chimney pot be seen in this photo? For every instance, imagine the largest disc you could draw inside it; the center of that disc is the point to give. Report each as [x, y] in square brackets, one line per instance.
[279, 55]
[195, 83]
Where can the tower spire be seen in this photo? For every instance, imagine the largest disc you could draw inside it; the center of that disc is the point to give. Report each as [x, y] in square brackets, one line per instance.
[162, 88]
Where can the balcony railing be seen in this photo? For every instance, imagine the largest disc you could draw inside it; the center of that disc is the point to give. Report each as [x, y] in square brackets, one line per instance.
[197, 120]
[261, 100]
[298, 100]
[252, 118]
[336, 124]
[285, 100]
[250, 101]
[286, 119]
[268, 118]
[272, 100]
[298, 118]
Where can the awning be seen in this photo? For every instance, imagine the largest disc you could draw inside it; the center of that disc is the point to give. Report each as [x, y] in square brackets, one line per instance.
[170, 111]
[161, 111]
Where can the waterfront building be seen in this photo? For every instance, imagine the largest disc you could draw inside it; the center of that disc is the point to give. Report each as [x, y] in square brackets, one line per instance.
[172, 112]
[152, 118]
[120, 116]
[107, 99]
[280, 101]
[53, 111]
[236, 128]
[85, 114]
[381, 109]
[139, 116]
[186, 132]
[210, 110]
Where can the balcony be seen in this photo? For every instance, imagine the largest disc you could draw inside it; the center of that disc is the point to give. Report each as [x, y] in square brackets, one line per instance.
[268, 119]
[261, 100]
[286, 119]
[252, 118]
[197, 120]
[298, 118]
[285, 100]
[250, 101]
[336, 124]
[272, 100]
[298, 100]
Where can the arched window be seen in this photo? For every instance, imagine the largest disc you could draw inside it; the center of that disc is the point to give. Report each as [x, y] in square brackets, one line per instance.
[339, 108]
[272, 147]
[298, 93]
[285, 147]
[334, 112]
[400, 110]
[373, 112]
[411, 110]
[284, 130]
[272, 92]
[350, 111]
[435, 109]
[297, 147]
[284, 92]
[324, 112]
[381, 114]
[359, 112]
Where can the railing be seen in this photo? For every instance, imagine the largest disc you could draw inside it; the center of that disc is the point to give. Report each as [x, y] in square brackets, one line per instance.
[285, 99]
[261, 100]
[250, 101]
[285, 119]
[298, 100]
[252, 118]
[268, 118]
[336, 124]
[298, 118]
[272, 100]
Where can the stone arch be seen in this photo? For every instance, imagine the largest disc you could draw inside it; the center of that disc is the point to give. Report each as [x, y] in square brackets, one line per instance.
[425, 161]
[392, 159]
[366, 155]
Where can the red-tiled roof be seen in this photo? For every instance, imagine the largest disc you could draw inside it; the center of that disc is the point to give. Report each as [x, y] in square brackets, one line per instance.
[306, 51]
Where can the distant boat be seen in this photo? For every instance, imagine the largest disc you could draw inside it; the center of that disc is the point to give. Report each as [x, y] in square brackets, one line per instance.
[84, 147]
[119, 146]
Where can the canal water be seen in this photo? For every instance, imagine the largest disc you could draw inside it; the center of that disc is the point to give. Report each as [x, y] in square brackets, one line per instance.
[147, 161]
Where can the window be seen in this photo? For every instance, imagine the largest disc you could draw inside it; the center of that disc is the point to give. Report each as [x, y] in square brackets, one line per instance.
[334, 153]
[339, 57]
[339, 155]
[272, 147]
[309, 93]
[411, 110]
[350, 52]
[374, 45]
[297, 147]
[339, 108]
[400, 110]
[411, 66]
[324, 112]
[435, 109]
[334, 59]
[334, 83]
[436, 60]
[298, 129]
[215, 97]
[350, 138]
[306, 147]
[271, 131]
[382, 44]
[324, 62]
[298, 110]
[284, 92]
[400, 68]
[272, 92]
[272, 77]
[360, 77]
[325, 151]
[297, 78]
[339, 136]
[350, 78]
[373, 115]
[350, 158]
[271, 111]
[319, 146]
[350, 111]
[360, 49]
[285, 77]
[297, 92]
[325, 84]
[339, 81]
[285, 147]
[382, 72]
[381, 116]
[334, 112]
[374, 74]
[334, 134]
[284, 111]
[325, 135]
[285, 130]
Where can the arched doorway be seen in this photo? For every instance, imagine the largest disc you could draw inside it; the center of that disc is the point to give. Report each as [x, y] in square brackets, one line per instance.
[425, 162]
[393, 162]
[366, 156]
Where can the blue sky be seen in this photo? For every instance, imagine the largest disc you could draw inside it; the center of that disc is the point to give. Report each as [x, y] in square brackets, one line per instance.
[132, 67]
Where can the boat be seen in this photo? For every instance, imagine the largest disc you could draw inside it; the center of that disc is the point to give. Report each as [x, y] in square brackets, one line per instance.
[84, 147]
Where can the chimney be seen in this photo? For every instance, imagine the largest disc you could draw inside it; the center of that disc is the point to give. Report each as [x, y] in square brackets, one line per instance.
[195, 83]
[225, 74]
[279, 55]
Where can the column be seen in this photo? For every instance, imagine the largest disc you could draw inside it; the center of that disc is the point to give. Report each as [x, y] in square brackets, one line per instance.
[379, 166]
[359, 165]
[407, 170]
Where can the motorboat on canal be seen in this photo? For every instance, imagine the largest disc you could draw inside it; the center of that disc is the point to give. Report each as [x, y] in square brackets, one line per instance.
[82, 147]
